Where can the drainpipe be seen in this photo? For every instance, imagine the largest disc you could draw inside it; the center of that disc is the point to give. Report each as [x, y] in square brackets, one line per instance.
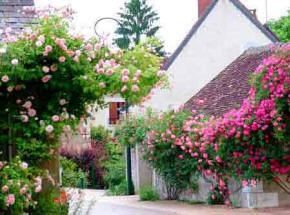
[130, 188]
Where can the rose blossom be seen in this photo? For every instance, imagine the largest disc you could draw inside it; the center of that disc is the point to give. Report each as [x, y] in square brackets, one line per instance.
[45, 69]
[38, 189]
[49, 128]
[125, 72]
[110, 72]
[62, 102]
[55, 118]
[10, 199]
[10, 89]
[23, 190]
[14, 62]
[24, 165]
[46, 78]
[5, 78]
[160, 73]
[48, 48]
[61, 59]
[24, 118]
[38, 43]
[5, 188]
[125, 79]
[135, 88]
[124, 88]
[27, 104]
[1, 165]
[31, 112]
[200, 102]
[53, 68]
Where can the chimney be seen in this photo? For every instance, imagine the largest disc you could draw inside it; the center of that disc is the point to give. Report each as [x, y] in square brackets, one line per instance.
[202, 6]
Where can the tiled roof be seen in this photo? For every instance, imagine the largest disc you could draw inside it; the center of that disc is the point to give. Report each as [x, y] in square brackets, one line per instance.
[264, 29]
[11, 15]
[230, 87]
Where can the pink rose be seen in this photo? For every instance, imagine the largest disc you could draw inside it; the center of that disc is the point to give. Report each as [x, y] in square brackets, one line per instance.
[23, 190]
[31, 112]
[46, 78]
[45, 69]
[5, 79]
[5, 188]
[61, 59]
[38, 189]
[200, 102]
[125, 72]
[1, 165]
[49, 128]
[55, 118]
[24, 118]
[138, 73]
[245, 183]
[124, 88]
[10, 199]
[101, 71]
[62, 102]
[160, 73]
[89, 47]
[125, 79]
[27, 104]
[135, 88]
[53, 68]
[10, 89]
[110, 72]
[48, 48]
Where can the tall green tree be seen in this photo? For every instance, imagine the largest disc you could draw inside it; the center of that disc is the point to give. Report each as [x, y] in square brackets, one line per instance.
[137, 19]
[281, 27]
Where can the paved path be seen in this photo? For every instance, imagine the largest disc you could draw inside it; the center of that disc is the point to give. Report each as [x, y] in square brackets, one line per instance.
[99, 204]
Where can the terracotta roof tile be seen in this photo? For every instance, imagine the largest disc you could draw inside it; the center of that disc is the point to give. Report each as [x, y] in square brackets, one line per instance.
[230, 87]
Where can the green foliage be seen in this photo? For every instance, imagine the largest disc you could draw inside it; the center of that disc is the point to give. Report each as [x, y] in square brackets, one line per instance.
[281, 27]
[47, 205]
[148, 194]
[137, 18]
[72, 176]
[115, 177]
[100, 134]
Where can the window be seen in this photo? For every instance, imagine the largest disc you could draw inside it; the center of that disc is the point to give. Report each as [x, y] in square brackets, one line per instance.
[115, 112]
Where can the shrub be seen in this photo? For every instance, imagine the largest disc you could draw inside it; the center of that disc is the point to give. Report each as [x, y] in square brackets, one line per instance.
[100, 134]
[19, 184]
[72, 176]
[148, 194]
[51, 201]
[115, 169]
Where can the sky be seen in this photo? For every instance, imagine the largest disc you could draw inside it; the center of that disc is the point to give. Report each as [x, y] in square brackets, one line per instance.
[176, 16]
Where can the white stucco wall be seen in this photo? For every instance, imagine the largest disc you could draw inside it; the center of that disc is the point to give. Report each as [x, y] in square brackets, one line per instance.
[222, 37]
[101, 117]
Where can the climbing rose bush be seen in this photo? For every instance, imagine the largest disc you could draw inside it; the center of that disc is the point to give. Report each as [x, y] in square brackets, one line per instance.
[250, 143]
[50, 77]
[18, 184]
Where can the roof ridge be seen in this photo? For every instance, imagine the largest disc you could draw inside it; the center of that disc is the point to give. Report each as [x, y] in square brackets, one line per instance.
[195, 27]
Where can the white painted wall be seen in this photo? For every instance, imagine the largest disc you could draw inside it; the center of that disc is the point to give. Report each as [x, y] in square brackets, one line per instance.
[101, 117]
[222, 37]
